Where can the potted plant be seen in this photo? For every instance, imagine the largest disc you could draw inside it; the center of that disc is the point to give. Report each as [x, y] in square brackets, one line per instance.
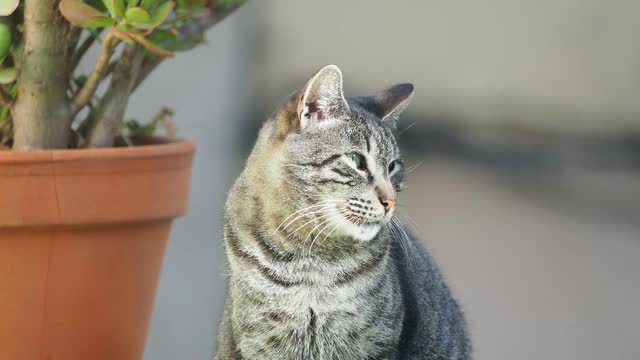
[86, 199]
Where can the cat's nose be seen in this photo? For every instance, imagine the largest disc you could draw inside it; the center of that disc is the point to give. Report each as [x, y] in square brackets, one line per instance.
[386, 196]
[387, 203]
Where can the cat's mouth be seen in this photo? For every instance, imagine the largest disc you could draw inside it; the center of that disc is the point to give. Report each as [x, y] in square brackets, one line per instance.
[361, 227]
[362, 222]
[365, 231]
[363, 214]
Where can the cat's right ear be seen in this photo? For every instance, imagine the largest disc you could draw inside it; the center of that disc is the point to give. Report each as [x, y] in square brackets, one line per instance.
[319, 103]
[321, 100]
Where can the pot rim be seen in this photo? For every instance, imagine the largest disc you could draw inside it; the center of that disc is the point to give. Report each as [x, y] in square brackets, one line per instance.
[96, 186]
[160, 147]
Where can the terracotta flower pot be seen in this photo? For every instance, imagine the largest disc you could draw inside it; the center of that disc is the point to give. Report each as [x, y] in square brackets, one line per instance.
[82, 239]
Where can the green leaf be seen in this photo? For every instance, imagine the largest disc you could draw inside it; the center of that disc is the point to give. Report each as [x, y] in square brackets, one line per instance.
[100, 22]
[162, 36]
[13, 91]
[80, 80]
[5, 41]
[162, 13]
[78, 13]
[138, 15]
[192, 3]
[157, 18]
[4, 114]
[97, 4]
[119, 7]
[149, 4]
[8, 75]
[156, 49]
[132, 3]
[7, 7]
[169, 41]
[110, 7]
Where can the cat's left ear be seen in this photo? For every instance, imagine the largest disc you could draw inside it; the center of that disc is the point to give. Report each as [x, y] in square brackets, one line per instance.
[322, 98]
[391, 102]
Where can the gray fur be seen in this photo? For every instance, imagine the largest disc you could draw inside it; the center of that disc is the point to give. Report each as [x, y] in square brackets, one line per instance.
[318, 269]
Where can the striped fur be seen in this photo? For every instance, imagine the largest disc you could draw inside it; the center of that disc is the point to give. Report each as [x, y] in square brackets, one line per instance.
[316, 267]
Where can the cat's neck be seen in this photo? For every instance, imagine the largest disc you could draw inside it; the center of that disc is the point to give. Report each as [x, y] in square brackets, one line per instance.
[284, 231]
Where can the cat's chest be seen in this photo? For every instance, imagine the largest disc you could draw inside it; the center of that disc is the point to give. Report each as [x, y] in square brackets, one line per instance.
[320, 334]
[317, 323]
[323, 301]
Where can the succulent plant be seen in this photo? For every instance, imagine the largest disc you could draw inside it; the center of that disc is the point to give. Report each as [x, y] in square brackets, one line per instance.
[46, 103]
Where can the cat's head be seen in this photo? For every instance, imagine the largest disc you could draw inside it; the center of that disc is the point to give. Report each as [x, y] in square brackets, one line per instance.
[341, 156]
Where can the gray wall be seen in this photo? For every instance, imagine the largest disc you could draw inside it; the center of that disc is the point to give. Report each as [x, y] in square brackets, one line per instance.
[571, 65]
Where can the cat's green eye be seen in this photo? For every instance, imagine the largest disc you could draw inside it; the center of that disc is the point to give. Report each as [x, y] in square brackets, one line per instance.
[358, 161]
[392, 166]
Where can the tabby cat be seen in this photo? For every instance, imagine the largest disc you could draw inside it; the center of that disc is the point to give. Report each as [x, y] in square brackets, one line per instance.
[319, 269]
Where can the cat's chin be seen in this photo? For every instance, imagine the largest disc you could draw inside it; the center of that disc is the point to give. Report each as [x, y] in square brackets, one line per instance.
[364, 232]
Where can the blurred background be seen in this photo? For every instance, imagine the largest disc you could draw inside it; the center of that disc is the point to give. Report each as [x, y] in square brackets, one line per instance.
[524, 133]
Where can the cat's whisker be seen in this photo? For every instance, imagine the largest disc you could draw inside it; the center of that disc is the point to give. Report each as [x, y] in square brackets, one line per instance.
[334, 221]
[409, 219]
[346, 215]
[318, 225]
[301, 213]
[307, 214]
[359, 220]
[330, 232]
[405, 129]
[398, 236]
[319, 204]
[413, 167]
[307, 223]
[401, 217]
[411, 256]
[400, 239]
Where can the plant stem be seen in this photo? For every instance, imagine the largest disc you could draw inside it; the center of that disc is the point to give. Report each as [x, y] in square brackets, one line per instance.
[41, 113]
[104, 122]
[5, 99]
[5, 132]
[79, 52]
[195, 30]
[85, 94]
